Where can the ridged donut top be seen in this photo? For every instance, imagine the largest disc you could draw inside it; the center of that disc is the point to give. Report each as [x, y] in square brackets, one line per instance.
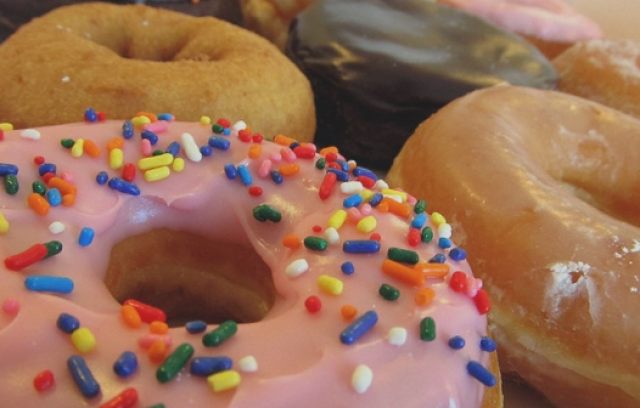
[302, 358]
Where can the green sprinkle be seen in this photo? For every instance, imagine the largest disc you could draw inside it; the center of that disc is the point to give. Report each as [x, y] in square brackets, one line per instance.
[67, 143]
[321, 163]
[11, 185]
[216, 128]
[39, 187]
[427, 235]
[264, 212]
[427, 329]
[316, 243]
[158, 152]
[388, 292]
[53, 248]
[221, 334]
[174, 363]
[420, 207]
[403, 255]
[161, 405]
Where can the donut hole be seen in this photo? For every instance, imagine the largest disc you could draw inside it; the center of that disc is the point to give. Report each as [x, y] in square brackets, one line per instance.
[191, 277]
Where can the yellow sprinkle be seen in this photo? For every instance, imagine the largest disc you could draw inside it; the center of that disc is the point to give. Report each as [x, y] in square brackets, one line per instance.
[6, 127]
[152, 162]
[337, 219]
[367, 224]
[395, 193]
[224, 380]
[437, 218]
[157, 174]
[116, 158]
[178, 164]
[4, 224]
[366, 195]
[330, 285]
[83, 340]
[140, 121]
[77, 150]
[205, 120]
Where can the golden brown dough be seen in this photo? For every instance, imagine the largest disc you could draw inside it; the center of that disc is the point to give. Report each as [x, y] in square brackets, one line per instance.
[119, 59]
[271, 18]
[542, 189]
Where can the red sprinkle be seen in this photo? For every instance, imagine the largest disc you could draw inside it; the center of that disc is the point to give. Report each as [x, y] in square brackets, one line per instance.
[1, 135]
[313, 304]
[245, 135]
[38, 160]
[331, 157]
[333, 165]
[327, 185]
[101, 116]
[304, 152]
[257, 138]
[316, 229]
[376, 236]
[47, 176]
[482, 301]
[44, 380]
[413, 238]
[126, 399]
[458, 282]
[367, 182]
[147, 312]
[129, 172]
[224, 122]
[255, 191]
[25, 258]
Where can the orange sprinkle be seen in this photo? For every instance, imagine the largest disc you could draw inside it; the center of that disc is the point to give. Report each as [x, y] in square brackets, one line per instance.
[400, 209]
[403, 273]
[425, 296]
[38, 204]
[289, 169]
[152, 116]
[255, 151]
[433, 270]
[157, 351]
[283, 140]
[327, 150]
[158, 327]
[130, 316]
[91, 148]
[63, 185]
[115, 143]
[69, 200]
[383, 207]
[348, 312]
[291, 241]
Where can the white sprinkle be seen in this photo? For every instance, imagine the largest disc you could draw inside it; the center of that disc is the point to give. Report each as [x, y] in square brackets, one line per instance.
[332, 235]
[296, 268]
[393, 197]
[397, 336]
[190, 147]
[30, 134]
[361, 378]
[351, 187]
[381, 185]
[636, 246]
[248, 364]
[56, 227]
[66, 79]
[444, 230]
[145, 23]
[633, 289]
[238, 126]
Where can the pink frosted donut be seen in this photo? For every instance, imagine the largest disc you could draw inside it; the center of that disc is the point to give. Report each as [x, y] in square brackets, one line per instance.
[303, 305]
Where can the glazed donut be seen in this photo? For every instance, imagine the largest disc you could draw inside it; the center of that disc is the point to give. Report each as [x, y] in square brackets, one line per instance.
[542, 189]
[316, 290]
[605, 71]
[121, 58]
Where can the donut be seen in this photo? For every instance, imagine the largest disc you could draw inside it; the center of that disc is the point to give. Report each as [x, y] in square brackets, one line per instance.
[541, 188]
[551, 25]
[284, 275]
[616, 18]
[375, 80]
[605, 71]
[271, 18]
[120, 59]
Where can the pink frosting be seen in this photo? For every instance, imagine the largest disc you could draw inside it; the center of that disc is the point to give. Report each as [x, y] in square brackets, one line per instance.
[300, 358]
[550, 20]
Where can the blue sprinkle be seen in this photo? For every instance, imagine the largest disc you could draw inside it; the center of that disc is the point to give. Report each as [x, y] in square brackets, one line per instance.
[294, 145]
[231, 171]
[205, 366]
[8, 170]
[343, 165]
[458, 254]
[444, 243]
[352, 201]
[340, 175]
[226, 132]
[477, 371]
[196, 326]
[206, 150]
[348, 268]
[487, 344]
[219, 143]
[45, 168]
[361, 171]
[438, 258]
[276, 177]
[54, 197]
[53, 284]
[376, 199]
[245, 175]
[83, 377]
[359, 327]
[456, 342]
[86, 236]
[173, 148]
[166, 116]
[102, 178]
[127, 129]
[126, 364]
[67, 323]
[369, 246]
[90, 115]
[124, 186]
[150, 136]
[419, 221]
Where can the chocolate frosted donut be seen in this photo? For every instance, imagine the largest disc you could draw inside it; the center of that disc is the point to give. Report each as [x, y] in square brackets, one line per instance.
[379, 67]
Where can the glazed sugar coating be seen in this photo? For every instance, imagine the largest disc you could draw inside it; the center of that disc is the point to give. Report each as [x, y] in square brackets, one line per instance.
[605, 71]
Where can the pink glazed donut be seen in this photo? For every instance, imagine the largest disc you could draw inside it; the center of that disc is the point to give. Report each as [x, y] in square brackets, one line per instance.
[184, 264]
